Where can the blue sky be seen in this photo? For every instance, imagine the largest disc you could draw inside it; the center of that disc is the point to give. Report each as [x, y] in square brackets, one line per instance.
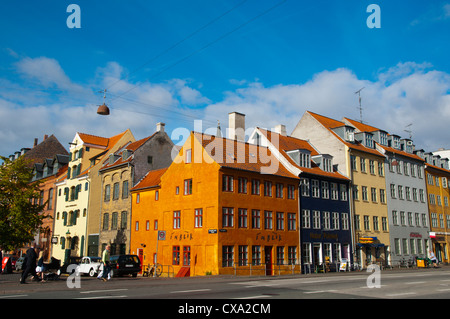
[270, 59]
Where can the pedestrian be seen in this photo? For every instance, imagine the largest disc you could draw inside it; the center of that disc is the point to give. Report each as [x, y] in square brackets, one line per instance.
[40, 266]
[105, 260]
[433, 259]
[30, 267]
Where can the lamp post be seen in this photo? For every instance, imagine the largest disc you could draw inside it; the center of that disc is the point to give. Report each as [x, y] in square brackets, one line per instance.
[103, 109]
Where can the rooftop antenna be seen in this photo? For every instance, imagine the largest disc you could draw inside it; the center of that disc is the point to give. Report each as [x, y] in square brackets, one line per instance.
[409, 131]
[360, 107]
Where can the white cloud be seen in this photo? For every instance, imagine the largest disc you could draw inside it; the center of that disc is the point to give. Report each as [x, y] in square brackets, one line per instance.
[407, 93]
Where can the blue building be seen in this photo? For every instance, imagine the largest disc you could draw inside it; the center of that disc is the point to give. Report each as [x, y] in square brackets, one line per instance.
[324, 207]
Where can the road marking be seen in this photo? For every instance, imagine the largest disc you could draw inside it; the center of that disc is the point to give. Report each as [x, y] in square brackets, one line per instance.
[318, 291]
[183, 291]
[414, 282]
[13, 296]
[446, 289]
[254, 297]
[401, 294]
[101, 291]
[103, 297]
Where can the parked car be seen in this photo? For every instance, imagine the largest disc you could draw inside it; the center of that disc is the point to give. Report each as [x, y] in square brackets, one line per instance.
[72, 260]
[125, 265]
[90, 266]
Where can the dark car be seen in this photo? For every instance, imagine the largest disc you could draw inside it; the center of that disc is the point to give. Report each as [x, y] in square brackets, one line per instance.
[125, 265]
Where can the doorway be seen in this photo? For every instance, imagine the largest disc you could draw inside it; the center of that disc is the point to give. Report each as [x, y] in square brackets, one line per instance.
[140, 253]
[268, 259]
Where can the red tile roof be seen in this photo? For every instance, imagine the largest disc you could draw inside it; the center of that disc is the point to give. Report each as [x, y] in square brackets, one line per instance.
[233, 154]
[151, 179]
[331, 123]
[289, 143]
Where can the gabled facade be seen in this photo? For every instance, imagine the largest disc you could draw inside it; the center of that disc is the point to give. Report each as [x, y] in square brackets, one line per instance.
[406, 194]
[220, 213]
[437, 176]
[77, 217]
[357, 159]
[325, 220]
[119, 173]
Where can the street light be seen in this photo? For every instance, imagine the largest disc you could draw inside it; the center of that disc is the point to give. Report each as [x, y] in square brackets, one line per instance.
[103, 109]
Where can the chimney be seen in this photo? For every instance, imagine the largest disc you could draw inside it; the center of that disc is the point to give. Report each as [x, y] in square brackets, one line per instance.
[280, 129]
[236, 126]
[160, 127]
[35, 142]
[45, 137]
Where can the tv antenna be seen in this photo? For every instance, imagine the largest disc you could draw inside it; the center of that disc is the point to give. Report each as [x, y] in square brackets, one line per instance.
[408, 130]
[360, 107]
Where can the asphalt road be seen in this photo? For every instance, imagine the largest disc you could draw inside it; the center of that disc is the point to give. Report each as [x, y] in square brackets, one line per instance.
[391, 284]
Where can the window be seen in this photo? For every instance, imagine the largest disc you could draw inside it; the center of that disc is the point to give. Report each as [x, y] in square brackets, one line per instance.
[107, 192]
[242, 218]
[227, 216]
[116, 191]
[227, 256]
[382, 196]
[402, 218]
[188, 156]
[279, 190]
[256, 255]
[255, 186]
[256, 219]
[334, 191]
[292, 255]
[175, 255]
[380, 169]
[400, 192]
[280, 255]
[242, 185]
[366, 222]
[198, 218]
[325, 190]
[291, 192]
[50, 198]
[372, 167]
[304, 186]
[373, 192]
[105, 221]
[227, 183]
[136, 226]
[394, 217]
[315, 188]
[353, 162]
[138, 198]
[147, 225]
[268, 188]
[268, 220]
[292, 222]
[114, 220]
[336, 224]
[326, 220]
[280, 221]
[364, 193]
[306, 221]
[243, 255]
[176, 219]
[188, 187]
[384, 223]
[316, 219]
[123, 220]
[345, 223]
[375, 223]
[186, 255]
[125, 190]
[362, 162]
[156, 195]
[343, 189]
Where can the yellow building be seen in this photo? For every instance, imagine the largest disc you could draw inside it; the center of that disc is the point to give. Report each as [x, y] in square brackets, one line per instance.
[437, 176]
[220, 214]
[76, 192]
[355, 156]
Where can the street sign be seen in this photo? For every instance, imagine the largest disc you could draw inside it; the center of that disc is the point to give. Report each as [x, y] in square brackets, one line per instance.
[161, 235]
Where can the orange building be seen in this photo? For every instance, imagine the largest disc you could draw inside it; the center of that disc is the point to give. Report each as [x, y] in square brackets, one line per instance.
[226, 207]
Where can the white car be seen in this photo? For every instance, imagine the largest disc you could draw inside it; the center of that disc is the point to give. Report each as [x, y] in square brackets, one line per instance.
[90, 265]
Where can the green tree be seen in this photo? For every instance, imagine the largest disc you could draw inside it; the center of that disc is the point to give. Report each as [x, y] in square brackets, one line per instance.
[20, 212]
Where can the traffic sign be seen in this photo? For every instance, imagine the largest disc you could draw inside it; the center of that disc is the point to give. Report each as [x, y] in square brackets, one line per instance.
[161, 235]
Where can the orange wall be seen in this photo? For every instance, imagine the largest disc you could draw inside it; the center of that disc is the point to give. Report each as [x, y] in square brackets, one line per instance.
[207, 194]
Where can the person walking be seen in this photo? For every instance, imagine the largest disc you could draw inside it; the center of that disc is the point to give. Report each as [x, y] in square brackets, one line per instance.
[433, 259]
[105, 260]
[30, 267]
[40, 266]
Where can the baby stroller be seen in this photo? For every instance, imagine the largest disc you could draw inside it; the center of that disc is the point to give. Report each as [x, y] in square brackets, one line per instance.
[51, 269]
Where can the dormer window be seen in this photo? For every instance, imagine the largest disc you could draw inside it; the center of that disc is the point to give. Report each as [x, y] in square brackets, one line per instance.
[301, 157]
[369, 140]
[383, 138]
[349, 134]
[324, 161]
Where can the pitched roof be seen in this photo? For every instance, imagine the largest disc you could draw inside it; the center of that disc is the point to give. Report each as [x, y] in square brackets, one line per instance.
[289, 143]
[48, 148]
[151, 179]
[100, 141]
[229, 153]
[330, 124]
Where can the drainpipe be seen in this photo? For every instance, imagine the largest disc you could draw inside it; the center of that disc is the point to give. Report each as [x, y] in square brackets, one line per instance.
[300, 226]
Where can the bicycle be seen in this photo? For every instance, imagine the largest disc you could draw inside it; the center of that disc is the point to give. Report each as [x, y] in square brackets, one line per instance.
[150, 271]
